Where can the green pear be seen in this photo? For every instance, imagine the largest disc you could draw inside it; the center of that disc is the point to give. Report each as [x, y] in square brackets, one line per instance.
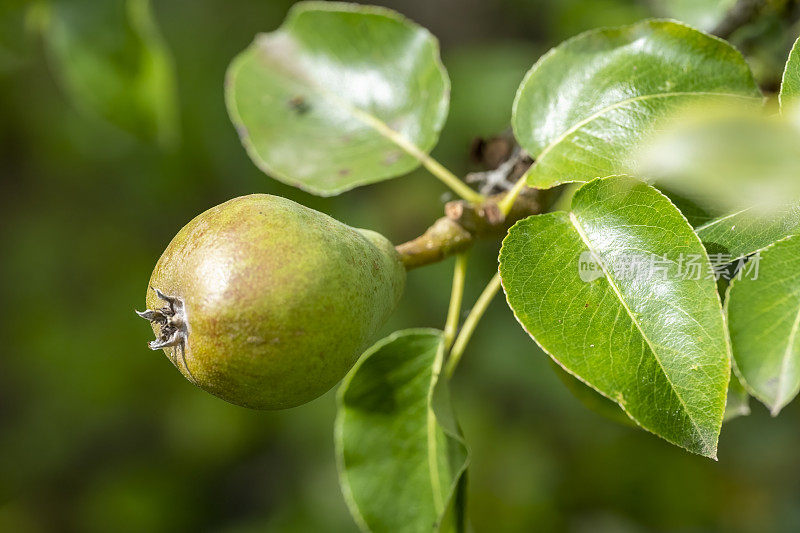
[266, 303]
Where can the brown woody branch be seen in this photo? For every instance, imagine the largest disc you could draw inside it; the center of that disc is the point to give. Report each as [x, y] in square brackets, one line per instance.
[464, 223]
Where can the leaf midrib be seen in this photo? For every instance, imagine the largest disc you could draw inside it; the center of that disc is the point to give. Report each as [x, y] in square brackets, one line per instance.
[612, 283]
[433, 452]
[365, 117]
[720, 220]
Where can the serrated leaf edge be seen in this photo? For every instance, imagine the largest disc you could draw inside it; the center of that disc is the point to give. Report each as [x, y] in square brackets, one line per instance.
[795, 50]
[776, 407]
[418, 153]
[713, 452]
[596, 31]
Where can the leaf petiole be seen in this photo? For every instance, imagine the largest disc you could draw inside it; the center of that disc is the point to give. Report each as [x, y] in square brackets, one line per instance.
[451, 180]
[471, 323]
[456, 297]
[432, 165]
[508, 200]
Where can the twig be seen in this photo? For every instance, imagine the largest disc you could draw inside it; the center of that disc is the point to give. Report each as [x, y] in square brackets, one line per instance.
[501, 178]
[464, 223]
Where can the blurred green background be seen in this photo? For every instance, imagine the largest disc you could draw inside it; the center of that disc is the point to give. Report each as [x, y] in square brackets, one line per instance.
[99, 434]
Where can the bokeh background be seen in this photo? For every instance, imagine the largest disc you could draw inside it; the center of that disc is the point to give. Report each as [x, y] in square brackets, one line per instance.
[99, 434]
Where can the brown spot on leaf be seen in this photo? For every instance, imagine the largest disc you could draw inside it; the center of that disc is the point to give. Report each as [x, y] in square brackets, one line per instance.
[299, 105]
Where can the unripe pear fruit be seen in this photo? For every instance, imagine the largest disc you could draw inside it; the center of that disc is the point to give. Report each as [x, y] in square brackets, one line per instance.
[266, 303]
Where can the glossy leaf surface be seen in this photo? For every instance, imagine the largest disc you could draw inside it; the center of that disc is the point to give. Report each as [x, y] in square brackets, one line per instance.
[736, 405]
[400, 452]
[653, 341]
[590, 398]
[586, 103]
[764, 319]
[340, 96]
[744, 232]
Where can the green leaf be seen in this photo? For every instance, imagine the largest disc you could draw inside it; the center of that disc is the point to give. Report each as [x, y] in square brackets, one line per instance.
[590, 398]
[112, 62]
[764, 321]
[738, 403]
[695, 214]
[790, 85]
[724, 158]
[401, 455]
[340, 96]
[587, 102]
[702, 14]
[741, 164]
[741, 233]
[653, 341]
